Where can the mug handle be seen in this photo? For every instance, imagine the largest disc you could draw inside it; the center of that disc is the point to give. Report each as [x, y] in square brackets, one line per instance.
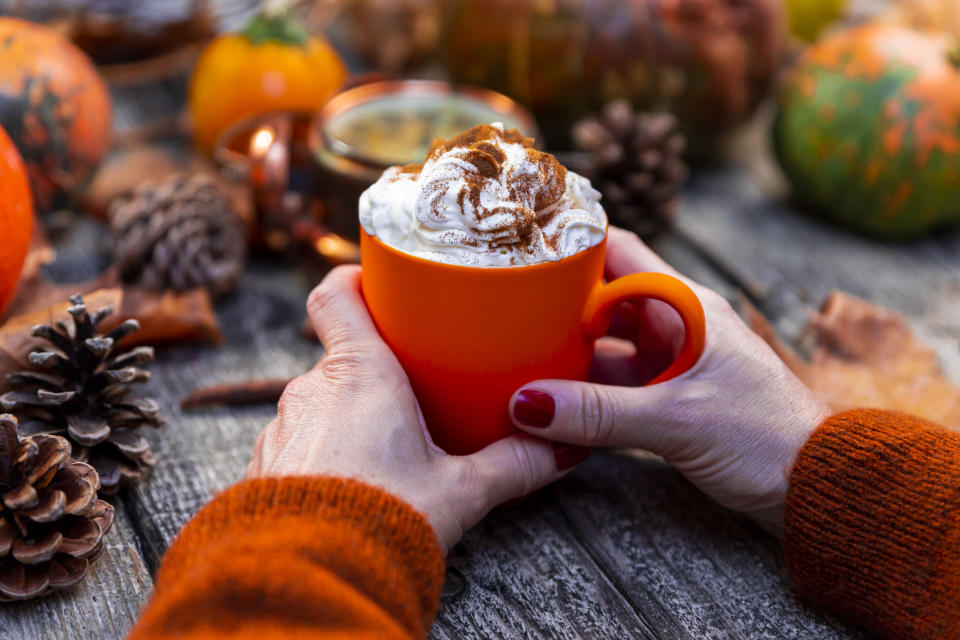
[660, 286]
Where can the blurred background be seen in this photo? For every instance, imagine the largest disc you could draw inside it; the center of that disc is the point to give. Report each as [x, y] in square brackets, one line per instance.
[628, 92]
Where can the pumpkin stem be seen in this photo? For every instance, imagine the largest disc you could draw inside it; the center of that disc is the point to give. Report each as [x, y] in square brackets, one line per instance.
[953, 55]
[282, 27]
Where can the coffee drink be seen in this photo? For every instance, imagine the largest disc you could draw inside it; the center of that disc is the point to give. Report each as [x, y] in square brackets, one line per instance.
[485, 198]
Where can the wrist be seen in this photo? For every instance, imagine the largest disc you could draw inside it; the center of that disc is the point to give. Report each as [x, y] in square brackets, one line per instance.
[796, 432]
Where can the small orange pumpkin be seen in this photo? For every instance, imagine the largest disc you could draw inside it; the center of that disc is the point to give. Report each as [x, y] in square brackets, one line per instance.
[55, 108]
[272, 64]
[16, 218]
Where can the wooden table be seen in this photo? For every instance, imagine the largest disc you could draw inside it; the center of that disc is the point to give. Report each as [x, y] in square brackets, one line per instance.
[624, 546]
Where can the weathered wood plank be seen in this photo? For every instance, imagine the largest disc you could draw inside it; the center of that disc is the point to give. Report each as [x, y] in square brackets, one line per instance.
[696, 571]
[103, 606]
[798, 260]
[525, 577]
[614, 551]
[686, 259]
[203, 452]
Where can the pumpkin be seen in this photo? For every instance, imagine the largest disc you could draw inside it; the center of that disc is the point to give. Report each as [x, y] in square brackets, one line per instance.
[272, 64]
[868, 130]
[54, 107]
[709, 62]
[16, 218]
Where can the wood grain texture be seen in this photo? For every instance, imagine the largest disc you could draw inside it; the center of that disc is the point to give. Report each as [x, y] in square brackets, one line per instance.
[551, 567]
[624, 547]
[202, 452]
[797, 260]
[102, 607]
[527, 577]
[695, 570]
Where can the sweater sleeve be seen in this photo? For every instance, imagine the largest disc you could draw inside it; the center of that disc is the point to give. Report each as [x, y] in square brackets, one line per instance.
[872, 530]
[313, 558]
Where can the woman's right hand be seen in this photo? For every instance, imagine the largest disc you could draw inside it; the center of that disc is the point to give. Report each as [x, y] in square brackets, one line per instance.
[733, 424]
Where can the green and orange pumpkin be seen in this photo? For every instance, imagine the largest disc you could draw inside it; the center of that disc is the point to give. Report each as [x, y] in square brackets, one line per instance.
[54, 106]
[868, 130]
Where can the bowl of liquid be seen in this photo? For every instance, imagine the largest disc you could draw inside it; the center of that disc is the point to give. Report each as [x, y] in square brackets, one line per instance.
[362, 131]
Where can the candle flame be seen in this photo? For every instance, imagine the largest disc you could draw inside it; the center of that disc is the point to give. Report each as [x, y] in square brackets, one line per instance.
[261, 141]
[337, 249]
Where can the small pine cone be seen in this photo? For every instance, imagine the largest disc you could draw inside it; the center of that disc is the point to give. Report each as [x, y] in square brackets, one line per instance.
[636, 161]
[81, 389]
[179, 234]
[51, 523]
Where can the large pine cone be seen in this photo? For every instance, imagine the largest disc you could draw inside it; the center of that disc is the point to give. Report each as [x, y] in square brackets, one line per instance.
[81, 389]
[636, 161]
[51, 523]
[179, 234]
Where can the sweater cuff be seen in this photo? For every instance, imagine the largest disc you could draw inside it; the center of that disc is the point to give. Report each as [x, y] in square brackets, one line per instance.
[872, 524]
[369, 537]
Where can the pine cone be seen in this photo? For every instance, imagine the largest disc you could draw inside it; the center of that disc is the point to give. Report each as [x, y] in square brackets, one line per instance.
[636, 161]
[51, 523]
[179, 234]
[81, 389]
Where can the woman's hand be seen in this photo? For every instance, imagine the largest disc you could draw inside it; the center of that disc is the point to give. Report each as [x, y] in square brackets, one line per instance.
[354, 415]
[733, 424]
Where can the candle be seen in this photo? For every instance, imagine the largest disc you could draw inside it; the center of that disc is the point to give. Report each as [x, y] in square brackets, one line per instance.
[270, 152]
[261, 141]
[364, 130]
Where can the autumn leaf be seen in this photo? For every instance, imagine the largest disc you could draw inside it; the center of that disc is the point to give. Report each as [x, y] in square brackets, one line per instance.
[125, 170]
[867, 356]
[164, 318]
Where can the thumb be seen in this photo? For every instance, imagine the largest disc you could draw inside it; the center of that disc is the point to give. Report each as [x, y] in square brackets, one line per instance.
[596, 415]
[519, 465]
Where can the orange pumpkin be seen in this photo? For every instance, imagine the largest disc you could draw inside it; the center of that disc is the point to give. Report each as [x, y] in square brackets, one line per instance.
[16, 218]
[272, 64]
[55, 108]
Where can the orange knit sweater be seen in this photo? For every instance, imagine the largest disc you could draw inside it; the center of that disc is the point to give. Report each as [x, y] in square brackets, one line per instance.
[872, 534]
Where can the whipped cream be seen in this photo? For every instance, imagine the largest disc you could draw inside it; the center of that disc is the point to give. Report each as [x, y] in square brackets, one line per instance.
[485, 198]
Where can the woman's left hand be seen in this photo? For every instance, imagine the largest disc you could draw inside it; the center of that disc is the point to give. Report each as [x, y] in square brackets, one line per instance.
[355, 415]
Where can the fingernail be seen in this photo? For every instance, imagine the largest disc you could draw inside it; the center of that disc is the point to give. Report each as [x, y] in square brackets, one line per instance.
[569, 455]
[533, 408]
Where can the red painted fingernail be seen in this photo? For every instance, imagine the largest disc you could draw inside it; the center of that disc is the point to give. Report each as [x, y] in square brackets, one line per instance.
[569, 455]
[534, 408]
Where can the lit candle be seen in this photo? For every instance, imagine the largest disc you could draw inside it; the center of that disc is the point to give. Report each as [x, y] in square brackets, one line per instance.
[260, 150]
[261, 141]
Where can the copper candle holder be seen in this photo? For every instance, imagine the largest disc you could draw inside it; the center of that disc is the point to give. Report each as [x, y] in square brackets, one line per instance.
[270, 153]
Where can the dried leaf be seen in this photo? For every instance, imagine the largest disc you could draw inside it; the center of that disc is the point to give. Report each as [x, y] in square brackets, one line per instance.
[39, 294]
[169, 316]
[16, 341]
[39, 254]
[164, 318]
[126, 170]
[867, 356]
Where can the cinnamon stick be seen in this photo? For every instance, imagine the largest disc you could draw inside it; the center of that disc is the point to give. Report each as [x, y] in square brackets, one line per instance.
[237, 393]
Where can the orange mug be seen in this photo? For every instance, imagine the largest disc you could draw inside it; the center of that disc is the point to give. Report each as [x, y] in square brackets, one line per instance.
[469, 337]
